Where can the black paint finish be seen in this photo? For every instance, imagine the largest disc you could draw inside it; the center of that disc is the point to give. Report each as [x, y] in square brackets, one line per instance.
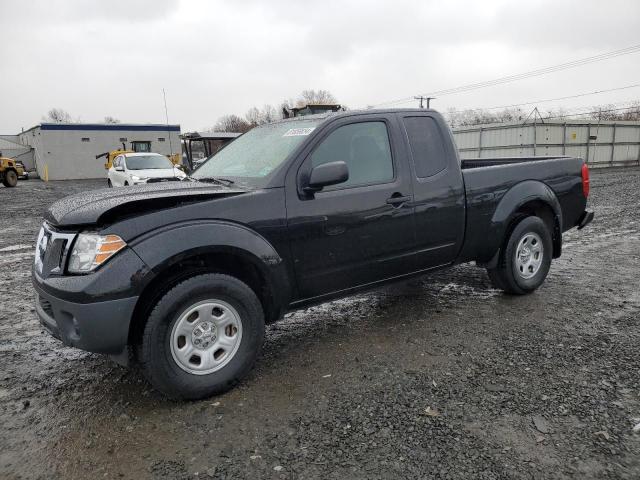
[311, 246]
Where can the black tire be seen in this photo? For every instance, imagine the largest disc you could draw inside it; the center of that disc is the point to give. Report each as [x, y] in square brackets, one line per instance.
[126, 184]
[109, 183]
[509, 274]
[10, 178]
[155, 354]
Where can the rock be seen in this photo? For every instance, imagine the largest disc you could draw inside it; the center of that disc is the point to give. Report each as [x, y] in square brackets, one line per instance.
[431, 412]
[495, 387]
[541, 424]
[278, 468]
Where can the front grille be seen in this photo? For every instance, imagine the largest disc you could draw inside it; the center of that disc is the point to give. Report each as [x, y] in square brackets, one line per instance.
[52, 248]
[167, 179]
[53, 255]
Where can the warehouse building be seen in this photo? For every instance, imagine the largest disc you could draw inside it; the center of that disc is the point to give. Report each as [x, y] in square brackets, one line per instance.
[10, 147]
[65, 151]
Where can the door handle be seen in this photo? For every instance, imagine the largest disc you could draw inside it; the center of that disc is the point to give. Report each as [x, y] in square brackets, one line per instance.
[397, 199]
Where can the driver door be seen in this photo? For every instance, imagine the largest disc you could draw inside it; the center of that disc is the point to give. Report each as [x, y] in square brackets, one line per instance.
[360, 231]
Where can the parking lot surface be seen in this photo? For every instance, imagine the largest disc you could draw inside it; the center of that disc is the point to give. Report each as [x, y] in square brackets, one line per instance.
[439, 377]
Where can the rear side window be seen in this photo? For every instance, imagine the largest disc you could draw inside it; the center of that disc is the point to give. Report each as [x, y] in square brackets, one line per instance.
[364, 147]
[427, 146]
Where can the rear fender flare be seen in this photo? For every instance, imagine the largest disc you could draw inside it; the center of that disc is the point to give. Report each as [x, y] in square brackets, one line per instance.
[516, 198]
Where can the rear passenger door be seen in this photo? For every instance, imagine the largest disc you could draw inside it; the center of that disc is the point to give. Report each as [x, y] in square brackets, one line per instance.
[359, 231]
[438, 189]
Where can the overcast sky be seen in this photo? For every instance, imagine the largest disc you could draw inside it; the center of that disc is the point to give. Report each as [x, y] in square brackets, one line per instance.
[99, 58]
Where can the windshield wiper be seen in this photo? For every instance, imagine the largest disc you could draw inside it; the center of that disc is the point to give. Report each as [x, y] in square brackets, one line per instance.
[220, 181]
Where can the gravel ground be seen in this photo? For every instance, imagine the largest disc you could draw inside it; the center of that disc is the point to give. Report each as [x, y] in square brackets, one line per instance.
[440, 377]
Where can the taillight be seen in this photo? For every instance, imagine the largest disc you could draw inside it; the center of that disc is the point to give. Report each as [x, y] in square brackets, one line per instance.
[585, 180]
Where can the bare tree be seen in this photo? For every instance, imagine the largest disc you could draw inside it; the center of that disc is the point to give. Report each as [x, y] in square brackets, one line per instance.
[479, 116]
[268, 113]
[232, 123]
[256, 116]
[315, 97]
[613, 112]
[111, 120]
[58, 115]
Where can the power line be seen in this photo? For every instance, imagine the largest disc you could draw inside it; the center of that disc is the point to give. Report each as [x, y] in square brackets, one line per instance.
[524, 75]
[552, 99]
[594, 112]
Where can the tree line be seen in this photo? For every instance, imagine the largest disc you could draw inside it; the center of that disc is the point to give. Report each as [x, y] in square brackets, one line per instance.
[268, 113]
[607, 112]
[229, 123]
[456, 118]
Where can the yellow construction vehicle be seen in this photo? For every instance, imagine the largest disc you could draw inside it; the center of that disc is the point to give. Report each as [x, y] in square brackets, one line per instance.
[109, 156]
[10, 170]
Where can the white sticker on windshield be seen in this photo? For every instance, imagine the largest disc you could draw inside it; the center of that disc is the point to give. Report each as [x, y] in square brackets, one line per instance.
[297, 132]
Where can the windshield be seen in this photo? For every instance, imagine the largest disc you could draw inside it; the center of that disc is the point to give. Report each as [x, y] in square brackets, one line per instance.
[144, 162]
[258, 152]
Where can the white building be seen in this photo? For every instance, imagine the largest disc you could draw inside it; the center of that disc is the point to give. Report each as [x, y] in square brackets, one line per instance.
[68, 151]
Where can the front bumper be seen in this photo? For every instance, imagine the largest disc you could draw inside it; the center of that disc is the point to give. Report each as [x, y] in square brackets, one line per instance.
[92, 312]
[101, 327]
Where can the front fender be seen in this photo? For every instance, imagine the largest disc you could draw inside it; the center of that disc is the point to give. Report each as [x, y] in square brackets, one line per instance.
[164, 247]
[515, 199]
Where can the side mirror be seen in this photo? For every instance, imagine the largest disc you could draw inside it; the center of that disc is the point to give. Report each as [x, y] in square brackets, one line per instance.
[327, 174]
[119, 169]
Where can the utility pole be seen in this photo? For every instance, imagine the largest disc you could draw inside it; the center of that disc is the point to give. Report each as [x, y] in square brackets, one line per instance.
[422, 98]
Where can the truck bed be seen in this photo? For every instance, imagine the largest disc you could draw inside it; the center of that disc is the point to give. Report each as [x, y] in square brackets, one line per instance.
[488, 180]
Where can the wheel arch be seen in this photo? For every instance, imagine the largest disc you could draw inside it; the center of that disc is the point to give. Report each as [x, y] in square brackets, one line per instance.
[529, 198]
[180, 252]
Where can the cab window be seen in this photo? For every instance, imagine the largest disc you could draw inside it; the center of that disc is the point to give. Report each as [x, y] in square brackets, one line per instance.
[364, 147]
[427, 146]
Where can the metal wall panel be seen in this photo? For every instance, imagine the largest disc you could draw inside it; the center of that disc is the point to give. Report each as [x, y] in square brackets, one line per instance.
[600, 143]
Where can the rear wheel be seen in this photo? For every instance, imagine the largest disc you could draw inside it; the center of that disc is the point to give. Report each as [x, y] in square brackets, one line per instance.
[109, 183]
[10, 178]
[202, 337]
[525, 258]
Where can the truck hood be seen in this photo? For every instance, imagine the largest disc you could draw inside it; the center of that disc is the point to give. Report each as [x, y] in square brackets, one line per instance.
[103, 206]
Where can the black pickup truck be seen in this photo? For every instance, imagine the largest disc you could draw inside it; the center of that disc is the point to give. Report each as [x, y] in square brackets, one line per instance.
[290, 214]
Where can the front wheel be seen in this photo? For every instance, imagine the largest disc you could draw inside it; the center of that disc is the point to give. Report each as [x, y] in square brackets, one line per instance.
[525, 258]
[10, 178]
[202, 337]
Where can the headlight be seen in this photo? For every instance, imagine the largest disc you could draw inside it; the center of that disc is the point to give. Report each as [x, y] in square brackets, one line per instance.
[136, 178]
[92, 250]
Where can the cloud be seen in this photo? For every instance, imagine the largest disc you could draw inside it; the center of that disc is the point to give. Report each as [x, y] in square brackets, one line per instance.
[217, 57]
